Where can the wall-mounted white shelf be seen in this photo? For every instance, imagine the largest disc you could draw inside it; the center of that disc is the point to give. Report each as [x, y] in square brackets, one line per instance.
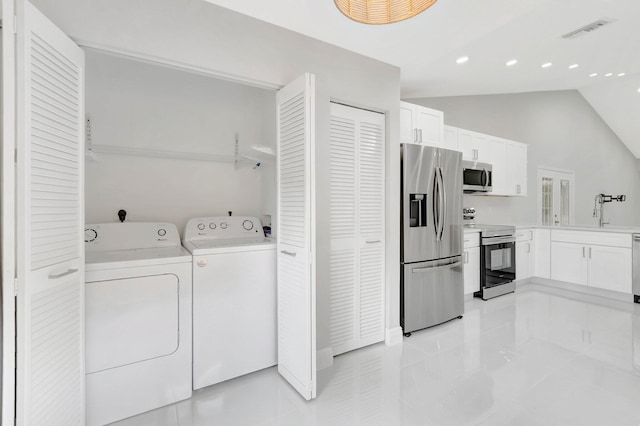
[260, 154]
[174, 155]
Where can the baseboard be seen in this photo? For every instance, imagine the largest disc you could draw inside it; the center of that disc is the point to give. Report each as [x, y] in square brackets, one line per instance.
[324, 358]
[591, 291]
[393, 336]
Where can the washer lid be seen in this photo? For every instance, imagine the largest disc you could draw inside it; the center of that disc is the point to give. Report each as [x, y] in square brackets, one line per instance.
[202, 247]
[113, 259]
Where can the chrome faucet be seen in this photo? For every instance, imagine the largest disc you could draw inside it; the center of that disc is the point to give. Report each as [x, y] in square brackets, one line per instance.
[601, 199]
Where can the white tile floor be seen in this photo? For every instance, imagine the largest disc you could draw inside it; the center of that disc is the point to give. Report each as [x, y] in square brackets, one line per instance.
[539, 357]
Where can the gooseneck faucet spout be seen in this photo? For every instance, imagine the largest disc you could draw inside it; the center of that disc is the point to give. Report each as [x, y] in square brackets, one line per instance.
[601, 199]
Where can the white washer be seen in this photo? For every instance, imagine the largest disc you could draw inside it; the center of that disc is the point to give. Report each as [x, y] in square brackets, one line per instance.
[138, 319]
[234, 298]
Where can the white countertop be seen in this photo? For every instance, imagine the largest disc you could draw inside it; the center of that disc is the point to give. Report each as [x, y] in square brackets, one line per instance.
[608, 228]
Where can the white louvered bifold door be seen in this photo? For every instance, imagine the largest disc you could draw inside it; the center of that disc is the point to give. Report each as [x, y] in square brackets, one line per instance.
[296, 236]
[50, 219]
[356, 227]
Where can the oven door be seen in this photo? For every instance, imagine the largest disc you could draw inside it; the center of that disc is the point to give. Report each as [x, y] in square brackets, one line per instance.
[498, 264]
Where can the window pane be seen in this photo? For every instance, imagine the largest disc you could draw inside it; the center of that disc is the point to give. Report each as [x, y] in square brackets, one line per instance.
[547, 201]
[564, 201]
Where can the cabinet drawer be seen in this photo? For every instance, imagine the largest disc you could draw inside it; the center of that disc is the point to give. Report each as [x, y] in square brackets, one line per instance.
[592, 238]
[524, 235]
[471, 239]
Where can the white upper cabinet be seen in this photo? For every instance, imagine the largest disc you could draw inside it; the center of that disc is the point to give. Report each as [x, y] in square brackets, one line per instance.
[450, 140]
[474, 146]
[507, 158]
[497, 157]
[516, 168]
[421, 125]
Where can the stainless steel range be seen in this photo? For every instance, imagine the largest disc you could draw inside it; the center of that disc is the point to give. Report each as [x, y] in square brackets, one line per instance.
[497, 260]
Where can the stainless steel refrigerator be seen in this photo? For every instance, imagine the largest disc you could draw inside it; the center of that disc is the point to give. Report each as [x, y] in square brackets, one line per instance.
[432, 281]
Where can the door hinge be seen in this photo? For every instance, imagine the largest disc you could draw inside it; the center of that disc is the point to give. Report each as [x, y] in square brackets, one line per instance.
[15, 24]
[15, 287]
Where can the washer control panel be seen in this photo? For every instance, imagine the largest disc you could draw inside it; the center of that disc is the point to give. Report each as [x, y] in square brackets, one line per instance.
[130, 236]
[223, 227]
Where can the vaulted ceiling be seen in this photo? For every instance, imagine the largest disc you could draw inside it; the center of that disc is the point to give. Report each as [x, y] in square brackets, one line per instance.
[491, 33]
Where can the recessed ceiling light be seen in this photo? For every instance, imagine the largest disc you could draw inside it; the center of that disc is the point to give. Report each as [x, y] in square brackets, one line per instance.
[462, 60]
[512, 62]
[638, 90]
[622, 74]
[609, 74]
[547, 65]
[595, 74]
[574, 66]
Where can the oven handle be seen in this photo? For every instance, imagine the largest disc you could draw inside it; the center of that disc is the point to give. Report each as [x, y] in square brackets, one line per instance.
[498, 240]
[435, 268]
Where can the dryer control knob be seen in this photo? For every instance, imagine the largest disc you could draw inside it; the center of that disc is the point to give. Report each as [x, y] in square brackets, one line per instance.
[201, 226]
[248, 225]
[90, 235]
[162, 232]
[202, 262]
[212, 225]
[223, 225]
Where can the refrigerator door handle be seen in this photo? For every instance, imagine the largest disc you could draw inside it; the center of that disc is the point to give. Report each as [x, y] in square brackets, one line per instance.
[436, 203]
[435, 268]
[443, 212]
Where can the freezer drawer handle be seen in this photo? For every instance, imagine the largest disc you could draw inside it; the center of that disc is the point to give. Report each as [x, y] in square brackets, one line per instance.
[62, 274]
[373, 242]
[288, 253]
[448, 265]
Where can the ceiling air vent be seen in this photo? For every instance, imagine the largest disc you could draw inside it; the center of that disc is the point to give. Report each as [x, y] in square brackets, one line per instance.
[589, 28]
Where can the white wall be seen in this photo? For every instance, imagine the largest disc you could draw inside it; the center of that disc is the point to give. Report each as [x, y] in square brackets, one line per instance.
[199, 35]
[562, 131]
[136, 104]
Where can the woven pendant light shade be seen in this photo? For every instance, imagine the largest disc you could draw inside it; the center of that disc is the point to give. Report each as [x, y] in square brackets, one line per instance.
[382, 11]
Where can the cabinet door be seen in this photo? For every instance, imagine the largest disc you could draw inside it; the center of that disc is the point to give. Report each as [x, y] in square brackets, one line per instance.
[497, 157]
[407, 126]
[465, 145]
[471, 270]
[569, 262]
[609, 268]
[430, 124]
[450, 140]
[524, 255]
[542, 253]
[474, 146]
[516, 168]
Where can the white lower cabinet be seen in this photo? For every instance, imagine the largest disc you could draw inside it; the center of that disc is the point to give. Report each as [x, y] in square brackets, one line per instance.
[471, 259]
[568, 262]
[525, 253]
[524, 260]
[609, 268]
[593, 265]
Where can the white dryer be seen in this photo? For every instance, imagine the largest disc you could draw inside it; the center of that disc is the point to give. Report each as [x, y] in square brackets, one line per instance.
[138, 319]
[234, 298]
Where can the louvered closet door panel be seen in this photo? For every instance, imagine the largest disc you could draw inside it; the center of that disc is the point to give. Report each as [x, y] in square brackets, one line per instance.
[342, 230]
[371, 178]
[371, 294]
[295, 231]
[371, 215]
[50, 256]
[356, 227]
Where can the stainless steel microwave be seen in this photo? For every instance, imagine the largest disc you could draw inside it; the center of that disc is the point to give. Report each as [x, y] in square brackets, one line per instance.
[476, 177]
